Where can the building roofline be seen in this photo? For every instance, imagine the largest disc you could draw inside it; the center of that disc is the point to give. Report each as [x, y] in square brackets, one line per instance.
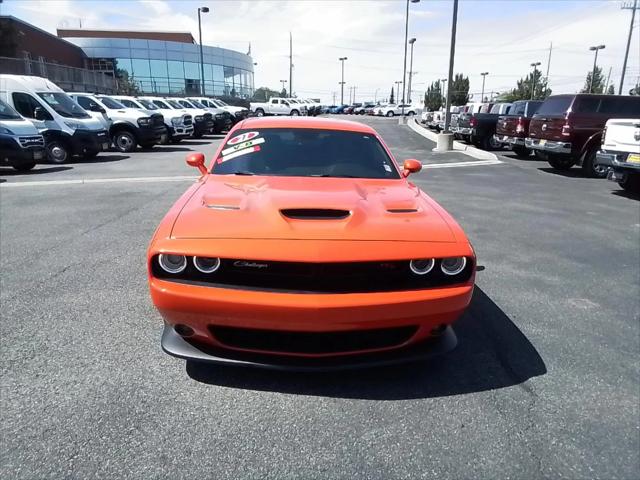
[29, 25]
[174, 36]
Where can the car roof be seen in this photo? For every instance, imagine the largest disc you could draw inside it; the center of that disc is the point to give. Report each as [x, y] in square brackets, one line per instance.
[306, 122]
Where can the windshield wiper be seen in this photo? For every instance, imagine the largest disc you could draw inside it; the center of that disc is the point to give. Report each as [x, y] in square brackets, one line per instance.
[242, 172]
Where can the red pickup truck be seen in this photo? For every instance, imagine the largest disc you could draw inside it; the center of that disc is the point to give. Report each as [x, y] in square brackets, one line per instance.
[512, 129]
[567, 129]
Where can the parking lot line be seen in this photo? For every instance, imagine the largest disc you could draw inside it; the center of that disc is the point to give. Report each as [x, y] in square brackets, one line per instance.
[462, 164]
[82, 181]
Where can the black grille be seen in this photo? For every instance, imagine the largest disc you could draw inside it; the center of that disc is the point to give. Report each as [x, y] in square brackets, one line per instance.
[312, 342]
[314, 213]
[187, 120]
[32, 141]
[303, 277]
[157, 120]
[208, 116]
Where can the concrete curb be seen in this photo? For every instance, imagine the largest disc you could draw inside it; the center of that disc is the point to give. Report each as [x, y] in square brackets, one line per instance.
[457, 146]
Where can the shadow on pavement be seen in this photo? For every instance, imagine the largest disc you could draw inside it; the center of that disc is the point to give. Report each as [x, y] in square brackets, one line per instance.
[571, 173]
[35, 171]
[626, 194]
[195, 142]
[164, 148]
[101, 158]
[492, 353]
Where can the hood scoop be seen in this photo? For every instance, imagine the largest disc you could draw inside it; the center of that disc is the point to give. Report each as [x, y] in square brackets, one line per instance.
[315, 213]
[402, 210]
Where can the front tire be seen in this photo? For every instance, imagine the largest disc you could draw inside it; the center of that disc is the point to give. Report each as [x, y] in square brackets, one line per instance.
[124, 141]
[295, 113]
[390, 114]
[24, 167]
[560, 163]
[259, 112]
[411, 114]
[58, 152]
[489, 143]
[589, 166]
[631, 183]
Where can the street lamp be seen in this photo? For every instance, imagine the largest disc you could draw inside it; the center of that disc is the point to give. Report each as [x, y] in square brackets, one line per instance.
[595, 60]
[484, 76]
[411, 42]
[342, 59]
[203, 10]
[533, 82]
[404, 68]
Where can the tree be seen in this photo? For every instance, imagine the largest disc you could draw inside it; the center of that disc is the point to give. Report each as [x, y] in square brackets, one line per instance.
[391, 97]
[433, 97]
[283, 93]
[635, 90]
[125, 84]
[524, 86]
[263, 94]
[598, 82]
[459, 90]
[611, 90]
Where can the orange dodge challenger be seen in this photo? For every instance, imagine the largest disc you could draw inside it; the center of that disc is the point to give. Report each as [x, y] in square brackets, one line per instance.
[304, 246]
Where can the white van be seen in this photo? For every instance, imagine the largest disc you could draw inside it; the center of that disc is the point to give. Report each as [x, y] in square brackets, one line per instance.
[21, 145]
[66, 127]
[128, 127]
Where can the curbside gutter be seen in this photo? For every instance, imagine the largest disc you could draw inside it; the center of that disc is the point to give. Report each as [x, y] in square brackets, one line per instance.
[457, 146]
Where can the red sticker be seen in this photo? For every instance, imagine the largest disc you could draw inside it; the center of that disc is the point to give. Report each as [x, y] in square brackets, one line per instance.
[243, 137]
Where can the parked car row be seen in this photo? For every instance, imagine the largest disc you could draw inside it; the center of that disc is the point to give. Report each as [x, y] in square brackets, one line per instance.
[378, 109]
[286, 106]
[39, 120]
[599, 133]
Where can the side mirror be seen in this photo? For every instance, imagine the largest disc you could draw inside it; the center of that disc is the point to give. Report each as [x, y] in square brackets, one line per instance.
[40, 113]
[411, 166]
[197, 160]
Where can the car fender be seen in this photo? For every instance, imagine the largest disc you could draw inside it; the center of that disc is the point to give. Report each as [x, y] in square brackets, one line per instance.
[592, 142]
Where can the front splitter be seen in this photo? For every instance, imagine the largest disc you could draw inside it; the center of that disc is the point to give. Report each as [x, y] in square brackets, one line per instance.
[175, 345]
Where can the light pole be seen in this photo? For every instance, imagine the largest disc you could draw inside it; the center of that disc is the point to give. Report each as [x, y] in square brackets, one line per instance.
[595, 60]
[484, 76]
[342, 59]
[447, 142]
[533, 81]
[283, 82]
[404, 68]
[203, 10]
[398, 83]
[375, 96]
[626, 53]
[411, 42]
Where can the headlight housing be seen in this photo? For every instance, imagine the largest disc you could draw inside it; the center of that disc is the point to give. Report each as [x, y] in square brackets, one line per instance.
[199, 118]
[422, 266]
[74, 125]
[144, 121]
[5, 131]
[206, 264]
[453, 265]
[176, 121]
[172, 263]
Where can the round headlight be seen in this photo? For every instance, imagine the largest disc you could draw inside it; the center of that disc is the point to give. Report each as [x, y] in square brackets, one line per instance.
[206, 264]
[422, 266]
[453, 265]
[172, 263]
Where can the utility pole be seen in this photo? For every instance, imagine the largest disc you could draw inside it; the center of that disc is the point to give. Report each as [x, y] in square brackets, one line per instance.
[442, 94]
[411, 42]
[452, 53]
[404, 67]
[334, 98]
[397, 99]
[549, 61]
[203, 10]
[533, 80]
[354, 95]
[595, 61]
[626, 53]
[484, 76]
[342, 59]
[290, 65]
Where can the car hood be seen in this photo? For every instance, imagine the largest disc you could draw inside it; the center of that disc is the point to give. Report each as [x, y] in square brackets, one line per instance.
[308, 208]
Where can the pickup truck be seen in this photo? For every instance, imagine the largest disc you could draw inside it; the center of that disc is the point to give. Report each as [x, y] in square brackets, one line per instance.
[512, 129]
[620, 152]
[275, 106]
[393, 110]
[479, 128]
[567, 129]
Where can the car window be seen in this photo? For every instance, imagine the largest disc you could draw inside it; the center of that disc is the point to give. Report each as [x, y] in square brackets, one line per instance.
[532, 108]
[518, 108]
[63, 105]
[175, 104]
[151, 105]
[128, 103]
[184, 103]
[85, 102]
[586, 105]
[160, 104]
[274, 101]
[302, 152]
[555, 105]
[25, 104]
[110, 103]
[620, 105]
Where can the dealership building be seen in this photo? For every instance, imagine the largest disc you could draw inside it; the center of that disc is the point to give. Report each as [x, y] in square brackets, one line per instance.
[134, 62]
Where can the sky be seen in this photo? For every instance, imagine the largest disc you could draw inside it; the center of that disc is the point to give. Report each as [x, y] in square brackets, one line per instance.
[502, 37]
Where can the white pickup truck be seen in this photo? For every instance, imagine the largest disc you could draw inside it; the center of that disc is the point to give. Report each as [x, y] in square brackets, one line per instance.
[275, 106]
[620, 151]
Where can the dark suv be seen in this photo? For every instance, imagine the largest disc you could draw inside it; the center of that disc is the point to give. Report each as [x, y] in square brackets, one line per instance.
[567, 129]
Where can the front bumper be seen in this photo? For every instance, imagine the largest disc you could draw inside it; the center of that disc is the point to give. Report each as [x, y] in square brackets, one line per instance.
[151, 134]
[180, 131]
[550, 146]
[89, 141]
[175, 345]
[506, 139]
[14, 154]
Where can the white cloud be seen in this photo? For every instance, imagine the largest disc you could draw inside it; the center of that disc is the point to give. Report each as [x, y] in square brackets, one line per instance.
[500, 37]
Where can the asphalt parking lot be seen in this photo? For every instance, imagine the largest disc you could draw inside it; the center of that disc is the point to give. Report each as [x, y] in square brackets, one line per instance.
[544, 381]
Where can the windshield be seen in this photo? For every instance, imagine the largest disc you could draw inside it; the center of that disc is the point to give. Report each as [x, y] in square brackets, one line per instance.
[299, 152]
[183, 104]
[149, 105]
[197, 104]
[555, 105]
[161, 104]
[8, 113]
[220, 103]
[175, 104]
[110, 103]
[63, 105]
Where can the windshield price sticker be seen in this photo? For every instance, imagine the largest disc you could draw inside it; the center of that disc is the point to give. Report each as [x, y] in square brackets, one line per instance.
[255, 148]
[243, 137]
[240, 146]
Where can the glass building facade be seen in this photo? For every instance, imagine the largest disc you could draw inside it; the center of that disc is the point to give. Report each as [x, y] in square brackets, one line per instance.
[170, 68]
